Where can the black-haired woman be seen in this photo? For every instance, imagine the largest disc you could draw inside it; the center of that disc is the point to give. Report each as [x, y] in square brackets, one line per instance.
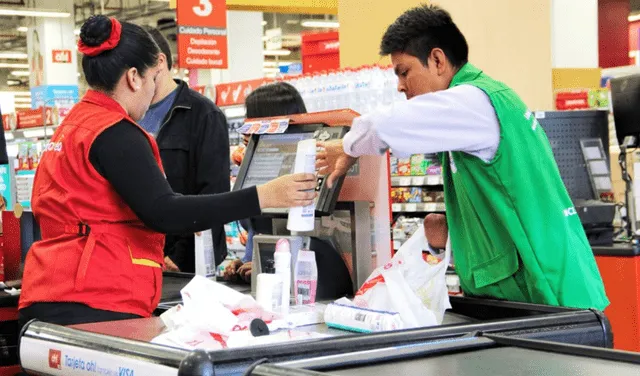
[276, 99]
[102, 200]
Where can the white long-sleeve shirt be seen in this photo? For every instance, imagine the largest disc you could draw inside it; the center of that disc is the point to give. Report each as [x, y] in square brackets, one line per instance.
[457, 119]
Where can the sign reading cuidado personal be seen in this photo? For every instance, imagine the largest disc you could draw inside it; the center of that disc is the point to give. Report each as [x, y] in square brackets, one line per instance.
[202, 34]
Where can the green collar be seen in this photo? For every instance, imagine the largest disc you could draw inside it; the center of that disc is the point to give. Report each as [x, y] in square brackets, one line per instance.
[467, 73]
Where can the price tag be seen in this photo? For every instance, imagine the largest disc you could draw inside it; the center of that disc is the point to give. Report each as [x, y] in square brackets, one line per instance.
[411, 207]
[418, 180]
[434, 180]
[404, 181]
[431, 207]
[396, 207]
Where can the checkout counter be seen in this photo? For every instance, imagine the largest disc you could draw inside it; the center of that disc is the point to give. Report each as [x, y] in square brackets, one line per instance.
[351, 238]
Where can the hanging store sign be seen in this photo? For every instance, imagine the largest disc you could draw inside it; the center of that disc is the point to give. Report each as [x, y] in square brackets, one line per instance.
[234, 93]
[202, 34]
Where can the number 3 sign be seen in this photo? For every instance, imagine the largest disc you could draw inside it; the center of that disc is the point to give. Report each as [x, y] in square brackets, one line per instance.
[202, 13]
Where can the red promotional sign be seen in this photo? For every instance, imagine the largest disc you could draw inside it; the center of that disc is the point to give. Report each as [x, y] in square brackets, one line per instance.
[61, 56]
[8, 122]
[202, 34]
[235, 93]
[34, 118]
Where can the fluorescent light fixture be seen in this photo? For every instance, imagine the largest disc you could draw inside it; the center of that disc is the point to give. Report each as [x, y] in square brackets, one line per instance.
[8, 136]
[30, 12]
[634, 17]
[76, 31]
[14, 65]
[22, 100]
[271, 70]
[271, 64]
[22, 29]
[13, 55]
[264, 23]
[276, 52]
[321, 24]
[21, 73]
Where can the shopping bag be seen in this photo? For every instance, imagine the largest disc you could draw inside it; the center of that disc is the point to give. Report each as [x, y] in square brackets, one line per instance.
[409, 285]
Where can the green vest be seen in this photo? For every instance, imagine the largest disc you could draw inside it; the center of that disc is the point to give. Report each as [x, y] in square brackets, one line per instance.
[514, 231]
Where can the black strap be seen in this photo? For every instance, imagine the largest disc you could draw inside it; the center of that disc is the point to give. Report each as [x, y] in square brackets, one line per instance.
[83, 229]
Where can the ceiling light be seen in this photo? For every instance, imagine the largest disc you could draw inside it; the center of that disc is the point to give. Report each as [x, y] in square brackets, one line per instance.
[27, 12]
[13, 55]
[76, 31]
[14, 65]
[320, 24]
[21, 73]
[276, 52]
[293, 22]
[270, 64]
[271, 70]
[22, 99]
[264, 23]
[22, 29]
[634, 17]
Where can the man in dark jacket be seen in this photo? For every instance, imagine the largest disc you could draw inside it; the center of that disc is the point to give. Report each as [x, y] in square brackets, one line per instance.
[193, 137]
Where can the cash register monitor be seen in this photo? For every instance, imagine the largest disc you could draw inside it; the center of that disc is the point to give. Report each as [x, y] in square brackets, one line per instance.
[270, 156]
[625, 100]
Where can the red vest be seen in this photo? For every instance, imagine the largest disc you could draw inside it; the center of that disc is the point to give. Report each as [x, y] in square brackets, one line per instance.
[94, 249]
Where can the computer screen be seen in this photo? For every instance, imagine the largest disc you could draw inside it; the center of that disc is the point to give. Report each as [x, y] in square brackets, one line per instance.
[625, 100]
[274, 156]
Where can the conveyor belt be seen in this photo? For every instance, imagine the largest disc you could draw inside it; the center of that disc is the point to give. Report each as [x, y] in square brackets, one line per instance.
[497, 362]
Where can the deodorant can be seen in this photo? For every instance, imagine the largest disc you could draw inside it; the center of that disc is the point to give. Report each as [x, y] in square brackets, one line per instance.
[302, 218]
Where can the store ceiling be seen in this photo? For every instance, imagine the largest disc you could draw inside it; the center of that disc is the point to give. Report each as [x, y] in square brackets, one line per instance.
[148, 12]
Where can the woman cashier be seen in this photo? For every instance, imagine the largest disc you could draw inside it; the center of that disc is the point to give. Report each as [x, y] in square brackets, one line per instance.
[101, 198]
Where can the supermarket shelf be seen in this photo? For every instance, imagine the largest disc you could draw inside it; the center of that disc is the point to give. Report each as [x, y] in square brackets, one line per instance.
[38, 132]
[431, 207]
[409, 181]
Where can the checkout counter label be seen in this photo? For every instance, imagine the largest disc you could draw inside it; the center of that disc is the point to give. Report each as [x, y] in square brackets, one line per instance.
[273, 126]
[49, 358]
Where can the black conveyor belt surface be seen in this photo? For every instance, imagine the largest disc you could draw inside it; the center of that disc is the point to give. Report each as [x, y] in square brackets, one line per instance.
[497, 362]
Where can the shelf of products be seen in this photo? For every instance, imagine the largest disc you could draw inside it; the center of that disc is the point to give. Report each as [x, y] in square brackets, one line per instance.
[432, 207]
[411, 181]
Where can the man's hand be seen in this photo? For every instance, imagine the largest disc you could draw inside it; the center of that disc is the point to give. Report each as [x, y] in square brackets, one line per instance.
[170, 266]
[333, 161]
[436, 230]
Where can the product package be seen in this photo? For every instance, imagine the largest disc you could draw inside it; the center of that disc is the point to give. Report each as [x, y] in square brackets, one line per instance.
[417, 165]
[415, 195]
[394, 166]
[404, 167]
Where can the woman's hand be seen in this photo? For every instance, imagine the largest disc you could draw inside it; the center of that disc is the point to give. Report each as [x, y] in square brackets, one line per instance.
[244, 271]
[231, 271]
[288, 191]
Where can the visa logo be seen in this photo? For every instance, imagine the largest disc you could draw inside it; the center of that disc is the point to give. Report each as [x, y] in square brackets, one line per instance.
[125, 371]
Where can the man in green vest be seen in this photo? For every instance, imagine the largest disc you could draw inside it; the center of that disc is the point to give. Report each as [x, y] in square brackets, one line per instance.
[514, 231]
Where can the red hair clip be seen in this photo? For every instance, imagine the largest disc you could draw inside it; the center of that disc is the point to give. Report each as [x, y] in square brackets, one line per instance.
[109, 44]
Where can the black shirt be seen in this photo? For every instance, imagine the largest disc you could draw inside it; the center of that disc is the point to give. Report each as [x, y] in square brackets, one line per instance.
[122, 155]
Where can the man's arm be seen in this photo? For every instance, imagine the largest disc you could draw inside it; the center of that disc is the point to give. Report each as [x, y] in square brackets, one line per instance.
[457, 119]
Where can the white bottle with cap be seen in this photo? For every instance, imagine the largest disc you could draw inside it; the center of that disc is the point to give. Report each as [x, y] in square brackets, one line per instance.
[282, 258]
[302, 218]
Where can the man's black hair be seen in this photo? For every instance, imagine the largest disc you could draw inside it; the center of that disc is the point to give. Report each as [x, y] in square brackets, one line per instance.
[136, 49]
[419, 30]
[162, 42]
[276, 99]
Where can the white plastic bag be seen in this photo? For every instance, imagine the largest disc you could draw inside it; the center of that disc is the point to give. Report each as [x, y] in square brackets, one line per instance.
[409, 285]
